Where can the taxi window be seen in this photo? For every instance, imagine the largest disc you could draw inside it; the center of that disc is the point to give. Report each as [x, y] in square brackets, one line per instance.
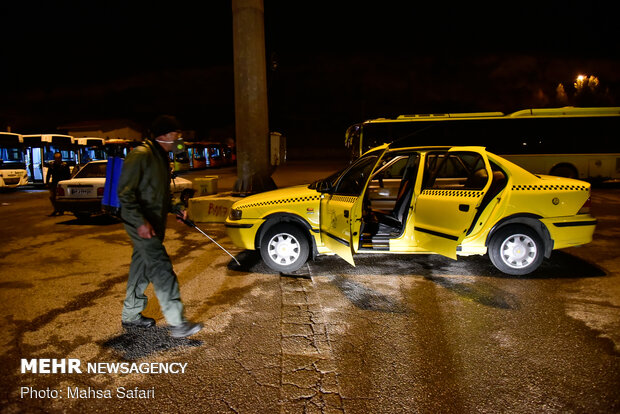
[353, 180]
[454, 171]
[392, 167]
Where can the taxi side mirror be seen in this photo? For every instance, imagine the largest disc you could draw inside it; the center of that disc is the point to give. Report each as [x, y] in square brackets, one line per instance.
[324, 186]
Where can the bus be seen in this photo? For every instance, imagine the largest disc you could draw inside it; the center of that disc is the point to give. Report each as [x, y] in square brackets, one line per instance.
[218, 155]
[180, 161]
[196, 154]
[117, 147]
[39, 151]
[200, 155]
[12, 166]
[90, 149]
[570, 142]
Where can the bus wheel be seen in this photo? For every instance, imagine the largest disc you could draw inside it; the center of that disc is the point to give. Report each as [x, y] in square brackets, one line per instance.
[284, 248]
[564, 170]
[516, 250]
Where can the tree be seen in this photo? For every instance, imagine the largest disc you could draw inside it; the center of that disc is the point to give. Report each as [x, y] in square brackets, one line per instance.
[560, 95]
[585, 91]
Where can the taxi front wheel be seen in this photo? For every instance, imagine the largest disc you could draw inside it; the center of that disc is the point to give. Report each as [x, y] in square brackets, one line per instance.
[516, 250]
[284, 248]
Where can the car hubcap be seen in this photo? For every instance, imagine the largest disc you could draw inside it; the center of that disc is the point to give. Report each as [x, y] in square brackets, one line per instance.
[283, 249]
[518, 251]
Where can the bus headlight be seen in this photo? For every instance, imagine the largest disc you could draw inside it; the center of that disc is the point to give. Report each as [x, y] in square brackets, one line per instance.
[234, 214]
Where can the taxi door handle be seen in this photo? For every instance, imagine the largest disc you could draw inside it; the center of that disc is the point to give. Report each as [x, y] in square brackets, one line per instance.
[346, 214]
[464, 207]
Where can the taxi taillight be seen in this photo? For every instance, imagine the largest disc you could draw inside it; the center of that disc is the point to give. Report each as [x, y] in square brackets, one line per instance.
[100, 192]
[585, 209]
[60, 191]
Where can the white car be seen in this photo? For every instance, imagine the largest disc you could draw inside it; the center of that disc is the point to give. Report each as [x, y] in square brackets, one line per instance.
[83, 193]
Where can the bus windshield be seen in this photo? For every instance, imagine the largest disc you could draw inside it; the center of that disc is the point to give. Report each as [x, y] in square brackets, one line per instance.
[11, 155]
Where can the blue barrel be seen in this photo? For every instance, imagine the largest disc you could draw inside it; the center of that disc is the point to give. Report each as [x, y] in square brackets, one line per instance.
[110, 203]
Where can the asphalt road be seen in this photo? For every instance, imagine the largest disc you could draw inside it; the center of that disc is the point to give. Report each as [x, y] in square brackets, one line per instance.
[396, 334]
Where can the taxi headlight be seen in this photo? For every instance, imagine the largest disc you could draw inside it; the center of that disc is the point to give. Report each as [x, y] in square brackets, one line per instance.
[234, 214]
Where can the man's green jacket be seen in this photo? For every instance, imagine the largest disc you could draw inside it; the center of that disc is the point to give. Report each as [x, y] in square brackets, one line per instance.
[144, 188]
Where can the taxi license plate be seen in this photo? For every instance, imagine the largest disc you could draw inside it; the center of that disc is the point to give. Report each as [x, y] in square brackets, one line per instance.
[80, 191]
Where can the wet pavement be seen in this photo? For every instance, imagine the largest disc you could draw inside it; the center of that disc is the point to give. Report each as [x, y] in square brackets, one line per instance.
[396, 334]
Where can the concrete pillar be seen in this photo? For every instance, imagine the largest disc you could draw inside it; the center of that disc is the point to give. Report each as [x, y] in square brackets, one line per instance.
[251, 116]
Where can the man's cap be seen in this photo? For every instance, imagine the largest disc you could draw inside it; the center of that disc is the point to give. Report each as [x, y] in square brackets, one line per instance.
[164, 124]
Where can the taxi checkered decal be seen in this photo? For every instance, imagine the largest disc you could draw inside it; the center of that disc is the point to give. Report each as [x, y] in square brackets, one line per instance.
[453, 193]
[282, 201]
[344, 199]
[549, 187]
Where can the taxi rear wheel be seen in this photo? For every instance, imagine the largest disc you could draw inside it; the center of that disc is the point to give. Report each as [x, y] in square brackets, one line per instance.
[516, 250]
[284, 248]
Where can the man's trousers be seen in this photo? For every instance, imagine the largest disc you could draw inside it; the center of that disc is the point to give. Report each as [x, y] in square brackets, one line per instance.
[150, 263]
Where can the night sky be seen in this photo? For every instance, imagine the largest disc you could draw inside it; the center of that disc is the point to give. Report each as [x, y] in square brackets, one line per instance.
[65, 62]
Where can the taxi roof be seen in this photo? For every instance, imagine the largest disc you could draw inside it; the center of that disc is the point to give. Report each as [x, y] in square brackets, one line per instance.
[425, 148]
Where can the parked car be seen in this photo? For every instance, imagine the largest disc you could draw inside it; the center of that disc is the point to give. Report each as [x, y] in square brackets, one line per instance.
[445, 200]
[83, 193]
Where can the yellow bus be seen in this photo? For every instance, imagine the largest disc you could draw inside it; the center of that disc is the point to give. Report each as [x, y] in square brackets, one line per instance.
[570, 142]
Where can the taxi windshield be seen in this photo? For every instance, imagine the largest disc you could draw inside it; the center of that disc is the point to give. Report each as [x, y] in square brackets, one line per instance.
[330, 179]
[350, 170]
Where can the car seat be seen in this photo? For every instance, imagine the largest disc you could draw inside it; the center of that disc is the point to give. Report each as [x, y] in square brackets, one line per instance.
[395, 220]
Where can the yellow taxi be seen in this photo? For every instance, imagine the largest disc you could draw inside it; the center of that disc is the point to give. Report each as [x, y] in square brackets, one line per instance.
[444, 200]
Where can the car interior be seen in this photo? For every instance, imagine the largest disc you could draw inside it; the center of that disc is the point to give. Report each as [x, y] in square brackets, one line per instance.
[389, 197]
[381, 224]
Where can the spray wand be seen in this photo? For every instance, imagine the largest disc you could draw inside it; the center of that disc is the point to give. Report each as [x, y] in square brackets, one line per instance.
[191, 223]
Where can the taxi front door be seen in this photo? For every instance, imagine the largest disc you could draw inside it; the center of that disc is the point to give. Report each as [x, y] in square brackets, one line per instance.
[336, 225]
[341, 208]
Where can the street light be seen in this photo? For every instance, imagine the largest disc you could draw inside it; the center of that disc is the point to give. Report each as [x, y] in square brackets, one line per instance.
[584, 81]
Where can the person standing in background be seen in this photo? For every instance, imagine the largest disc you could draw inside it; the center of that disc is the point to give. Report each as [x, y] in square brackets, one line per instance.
[57, 171]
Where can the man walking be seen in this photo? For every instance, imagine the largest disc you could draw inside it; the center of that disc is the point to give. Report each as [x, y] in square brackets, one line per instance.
[56, 172]
[144, 193]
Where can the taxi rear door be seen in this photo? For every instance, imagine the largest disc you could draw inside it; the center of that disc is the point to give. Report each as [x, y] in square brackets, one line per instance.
[453, 185]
